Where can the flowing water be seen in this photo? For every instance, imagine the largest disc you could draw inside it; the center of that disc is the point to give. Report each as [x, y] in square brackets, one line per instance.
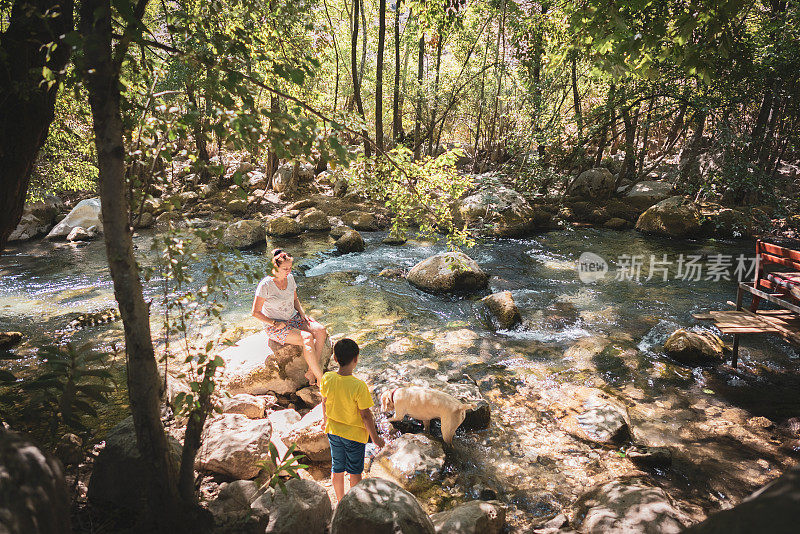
[522, 457]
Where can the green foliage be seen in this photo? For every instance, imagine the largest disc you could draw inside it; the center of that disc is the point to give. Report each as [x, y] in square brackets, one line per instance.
[65, 392]
[419, 193]
[275, 467]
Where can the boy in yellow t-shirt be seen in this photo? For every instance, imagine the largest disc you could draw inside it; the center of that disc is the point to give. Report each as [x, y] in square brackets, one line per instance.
[346, 403]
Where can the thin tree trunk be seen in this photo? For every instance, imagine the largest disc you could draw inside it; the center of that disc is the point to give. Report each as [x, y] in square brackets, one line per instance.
[630, 120]
[27, 102]
[481, 99]
[169, 512]
[576, 97]
[363, 65]
[272, 157]
[397, 125]
[198, 128]
[688, 164]
[356, 82]
[418, 119]
[379, 75]
[432, 129]
[645, 136]
[500, 30]
[611, 119]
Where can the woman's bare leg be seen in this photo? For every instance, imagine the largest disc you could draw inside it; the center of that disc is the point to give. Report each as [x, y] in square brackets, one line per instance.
[320, 334]
[306, 341]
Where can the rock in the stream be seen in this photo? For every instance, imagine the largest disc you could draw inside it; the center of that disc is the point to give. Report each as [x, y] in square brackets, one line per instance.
[773, 509]
[594, 184]
[414, 461]
[314, 220]
[394, 273]
[37, 219]
[9, 339]
[350, 241]
[504, 308]
[251, 406]
[474, 517]
[33, 493]
[310, 437]
[449, 271]
[672, 217]
[693, 348]
[507, 212]
[394, 240]
[628, 507]
[589, 414]
[305, 508]
[645, 456]
[119, 475]
[256, 365]
[86, 213]
[337, 229]
[379, 506]
[283, 227]
[365, 222]
[232, 444]
[244, 234]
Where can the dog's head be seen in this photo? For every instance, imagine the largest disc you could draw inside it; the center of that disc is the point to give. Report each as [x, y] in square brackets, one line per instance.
[386, 400]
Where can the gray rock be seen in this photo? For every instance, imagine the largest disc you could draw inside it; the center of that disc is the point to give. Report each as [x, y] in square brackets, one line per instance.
[394, 240]
[339, 187]
[33, 492]
[146, 220]
[283, 227]
[350, 241]
[234, 497]
[414, 461]
[283, 421]
[284, 179]
[673, 217]
[628, 507]
[379, 506]
[507, 212]
[119, 473]
[37, 219]
[594, 184]
[257, 365]
[304, 508]
[338, 230]
[82, 234]
[447, 272]
[244, 234]
[309, 436]
[692, 348]
[775, 508]
[232, 444]
[85, 214]
[237, 206]
[365, 222]
[604, 421]
[651, 191]
[251, 406]
[474, 517]
[70, 450]
[504, 308]
[645, 456]
[314, 220]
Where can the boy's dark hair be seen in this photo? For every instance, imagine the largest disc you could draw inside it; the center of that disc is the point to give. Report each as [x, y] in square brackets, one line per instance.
[345, 351]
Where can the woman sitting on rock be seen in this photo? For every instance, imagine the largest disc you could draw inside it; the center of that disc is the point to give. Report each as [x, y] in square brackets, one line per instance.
[277, 305]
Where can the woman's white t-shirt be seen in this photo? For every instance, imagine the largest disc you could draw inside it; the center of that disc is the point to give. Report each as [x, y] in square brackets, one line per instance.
[278, 303]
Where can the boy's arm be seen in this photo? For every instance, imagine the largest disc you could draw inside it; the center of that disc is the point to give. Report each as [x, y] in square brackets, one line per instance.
[369, 423]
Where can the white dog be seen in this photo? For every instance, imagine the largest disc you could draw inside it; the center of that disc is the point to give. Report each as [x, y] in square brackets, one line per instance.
[426, 404]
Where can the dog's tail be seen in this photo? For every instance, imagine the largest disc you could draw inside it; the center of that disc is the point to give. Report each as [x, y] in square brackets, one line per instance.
[467, 407]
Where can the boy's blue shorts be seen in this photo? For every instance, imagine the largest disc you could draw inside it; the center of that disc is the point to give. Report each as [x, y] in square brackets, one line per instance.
[346, 455]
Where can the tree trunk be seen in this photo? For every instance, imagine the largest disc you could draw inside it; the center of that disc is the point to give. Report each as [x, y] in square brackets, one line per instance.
[397, 125]
[169, 513]
[272, 157]
[356, 81]
[418, 118]
[576, 97]
[630, 120]
[27, 102]
[432, 129]
[500, 30]
[688, 163]
[379, 76]
[601, 146]
[198, 128]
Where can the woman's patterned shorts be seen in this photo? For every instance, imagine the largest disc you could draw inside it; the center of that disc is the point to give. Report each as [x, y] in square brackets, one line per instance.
[279, 333]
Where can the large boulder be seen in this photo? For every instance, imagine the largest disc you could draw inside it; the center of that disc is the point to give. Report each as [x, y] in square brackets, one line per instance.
[304, 508]
[233, 444]
[693, 348]
[360, 220]
[628, 507]
[257, 365]
[446, 272]
[775, 508]
[283, 227]
[237, 206]
[474, 517]
[310, 437]
[37, 219]
[314, 220]
[285, 180]
[589, 414]
[244, 234]
[504, 308]
[33, 493]
[594, 184]
[86, 213]
[350, 241]
[673, 217]
[648, 192]
[506, 212]
[414, 461]
[233, 502]
[727, 223]
[119, 474]
[252, 406]
[379, 506]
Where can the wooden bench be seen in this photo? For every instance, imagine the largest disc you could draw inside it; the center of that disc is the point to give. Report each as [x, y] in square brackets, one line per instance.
[777, 280]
